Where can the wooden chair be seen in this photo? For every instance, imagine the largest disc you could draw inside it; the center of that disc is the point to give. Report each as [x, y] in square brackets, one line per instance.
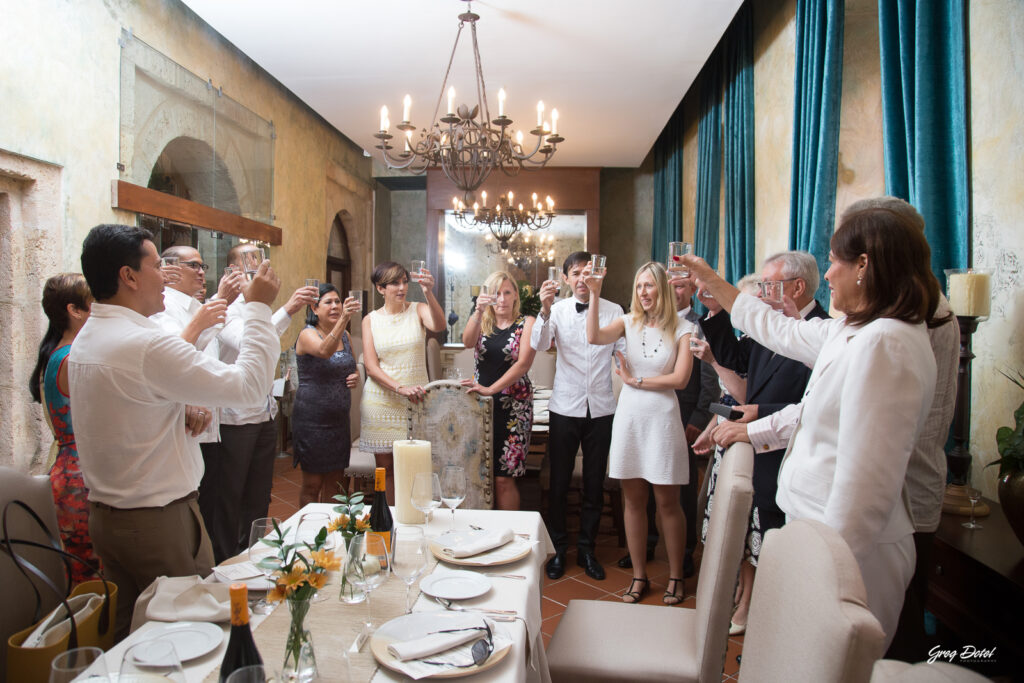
[458, 426]
[599, 641]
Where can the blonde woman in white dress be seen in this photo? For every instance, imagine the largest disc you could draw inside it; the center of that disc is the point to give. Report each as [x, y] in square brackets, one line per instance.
[394, 355]
[648, 438]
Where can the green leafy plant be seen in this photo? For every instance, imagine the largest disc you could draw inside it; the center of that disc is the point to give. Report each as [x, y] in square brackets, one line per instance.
[1010, 441]
[529, 300]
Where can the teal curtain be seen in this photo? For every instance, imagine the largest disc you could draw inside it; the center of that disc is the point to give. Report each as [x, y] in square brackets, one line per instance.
[924, 119]
[668, 187]
[818, 81]
[709, 162]
[738, 145]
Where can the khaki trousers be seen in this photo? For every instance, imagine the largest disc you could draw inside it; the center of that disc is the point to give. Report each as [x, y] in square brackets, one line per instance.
[138, 545]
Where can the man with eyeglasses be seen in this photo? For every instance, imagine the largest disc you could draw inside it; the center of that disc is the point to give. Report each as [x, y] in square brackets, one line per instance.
[773, 382]
[198, 324]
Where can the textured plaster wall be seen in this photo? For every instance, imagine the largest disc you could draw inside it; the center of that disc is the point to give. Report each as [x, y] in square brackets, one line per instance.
[59, 102]
[997, 158]
[408, 227]
[627, 218]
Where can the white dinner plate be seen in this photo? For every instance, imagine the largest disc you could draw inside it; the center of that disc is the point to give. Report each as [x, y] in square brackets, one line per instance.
[514, 550]
[414, 625]
[455, 585]
[191, 639]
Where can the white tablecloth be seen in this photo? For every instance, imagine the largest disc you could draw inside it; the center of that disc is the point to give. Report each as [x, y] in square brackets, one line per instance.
[524, 596]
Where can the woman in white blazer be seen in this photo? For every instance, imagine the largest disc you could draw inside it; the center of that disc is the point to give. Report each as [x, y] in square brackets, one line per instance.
[869, 392]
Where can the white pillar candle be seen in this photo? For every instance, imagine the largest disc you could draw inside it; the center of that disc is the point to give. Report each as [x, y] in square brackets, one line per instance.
[970, 293]
[411, 458]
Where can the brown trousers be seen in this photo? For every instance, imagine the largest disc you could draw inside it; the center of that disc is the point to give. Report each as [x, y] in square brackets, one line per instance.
[140, 544]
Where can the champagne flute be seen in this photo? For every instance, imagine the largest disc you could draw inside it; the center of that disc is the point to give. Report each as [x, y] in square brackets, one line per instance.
[408, 557]
[260, 529]
[453, 488]
[149, 660]
[974, 495]
[367, 567]
[69, 665]
[426, 493]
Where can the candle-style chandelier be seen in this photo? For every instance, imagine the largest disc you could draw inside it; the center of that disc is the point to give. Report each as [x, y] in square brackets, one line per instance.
[523, 252]
[466, 143]
[505, 218]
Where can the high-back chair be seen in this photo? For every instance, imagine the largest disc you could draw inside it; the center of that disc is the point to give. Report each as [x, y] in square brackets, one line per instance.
[599, 641]
[19, 599]
[458, 426]
[808, 618]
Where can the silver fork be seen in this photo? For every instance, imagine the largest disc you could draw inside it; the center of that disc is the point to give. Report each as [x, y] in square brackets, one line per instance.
[496, 614]
[474, 527]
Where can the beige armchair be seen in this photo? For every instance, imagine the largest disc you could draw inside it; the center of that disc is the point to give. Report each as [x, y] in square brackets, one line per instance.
[458, 426]
[600, 641]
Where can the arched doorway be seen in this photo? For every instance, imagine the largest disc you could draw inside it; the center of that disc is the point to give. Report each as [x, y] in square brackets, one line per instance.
[339, 260]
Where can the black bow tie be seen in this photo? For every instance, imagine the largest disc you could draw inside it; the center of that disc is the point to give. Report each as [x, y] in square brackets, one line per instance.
[581, 307]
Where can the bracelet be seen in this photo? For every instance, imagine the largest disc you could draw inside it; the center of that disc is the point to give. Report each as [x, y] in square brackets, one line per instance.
[332, 336]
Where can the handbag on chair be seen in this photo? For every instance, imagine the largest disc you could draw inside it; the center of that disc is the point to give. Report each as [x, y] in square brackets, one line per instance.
[85, 616]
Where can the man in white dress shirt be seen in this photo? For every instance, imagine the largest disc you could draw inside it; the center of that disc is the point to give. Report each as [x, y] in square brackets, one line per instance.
[130, 382]
[243, 460]
[581, 410]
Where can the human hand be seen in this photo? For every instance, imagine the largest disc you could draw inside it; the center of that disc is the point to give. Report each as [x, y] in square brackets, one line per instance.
[548, 290]
[426, 280]
[303, 296]
[483, 301]
[350, 307]
[473, 387]
[352, 380]
[414, 393]
[171, 274]
[701, 350]
[703, 443]
[264, 285]
[211, 313]
[789, 308]
[622, 368]
[592, 283]
[727, 433]
[692, 433]
[230, 285]
[704, 296]
[700, 271]
[749, 411]
[197, 419]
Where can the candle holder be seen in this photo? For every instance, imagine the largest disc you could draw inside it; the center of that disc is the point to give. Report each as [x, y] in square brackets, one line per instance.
[958, 458]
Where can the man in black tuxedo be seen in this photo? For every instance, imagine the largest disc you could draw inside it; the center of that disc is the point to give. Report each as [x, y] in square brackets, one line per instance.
[773, 382]
[700, 392]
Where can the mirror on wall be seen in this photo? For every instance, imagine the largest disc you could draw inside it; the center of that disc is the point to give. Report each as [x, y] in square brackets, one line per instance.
[471, 254]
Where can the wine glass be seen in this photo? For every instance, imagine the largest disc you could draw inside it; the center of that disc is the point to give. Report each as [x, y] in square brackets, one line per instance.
[260, 529]
[974, 495]
[367, 567]
[255, 673]
[69, 665]
[426, 493]
[310, 525]
[408, 557]
[454, 374]
[149, 660]
[453, 488]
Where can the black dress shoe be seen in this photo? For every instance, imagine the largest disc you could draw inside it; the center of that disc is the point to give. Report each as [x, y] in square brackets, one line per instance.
[590, 565]
[556, 566]
[626, 562]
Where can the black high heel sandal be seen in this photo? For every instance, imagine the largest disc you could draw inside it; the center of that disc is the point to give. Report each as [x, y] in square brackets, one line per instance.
[672, 597]
[635, 596]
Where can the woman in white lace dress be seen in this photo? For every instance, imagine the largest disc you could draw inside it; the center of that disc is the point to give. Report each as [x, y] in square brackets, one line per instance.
[648, 437]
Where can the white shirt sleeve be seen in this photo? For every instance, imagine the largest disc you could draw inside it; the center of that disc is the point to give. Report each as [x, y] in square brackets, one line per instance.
[801, 340]
[772, 433]
[543, 332]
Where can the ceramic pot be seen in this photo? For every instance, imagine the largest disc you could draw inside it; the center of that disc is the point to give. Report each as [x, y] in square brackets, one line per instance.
[1011, 497]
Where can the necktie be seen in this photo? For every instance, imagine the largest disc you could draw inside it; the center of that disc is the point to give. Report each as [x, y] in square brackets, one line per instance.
[581, 307]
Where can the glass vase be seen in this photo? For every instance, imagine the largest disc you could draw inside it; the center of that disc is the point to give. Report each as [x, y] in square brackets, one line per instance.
[350, 594]
[299, 659]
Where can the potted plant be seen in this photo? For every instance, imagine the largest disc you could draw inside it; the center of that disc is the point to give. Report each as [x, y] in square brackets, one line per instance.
[1010, 442]
[529, 300]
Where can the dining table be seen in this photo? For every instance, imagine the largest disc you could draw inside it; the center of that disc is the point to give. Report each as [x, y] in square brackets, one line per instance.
[336, 626]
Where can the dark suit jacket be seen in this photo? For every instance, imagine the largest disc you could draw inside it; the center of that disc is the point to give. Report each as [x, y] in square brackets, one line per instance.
[773, 381]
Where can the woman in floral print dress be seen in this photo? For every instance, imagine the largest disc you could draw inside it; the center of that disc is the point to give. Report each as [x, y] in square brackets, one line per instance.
[66, 302]
[501, 337]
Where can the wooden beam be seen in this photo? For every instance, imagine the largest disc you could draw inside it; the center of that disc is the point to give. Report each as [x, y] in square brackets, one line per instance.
[130, 197]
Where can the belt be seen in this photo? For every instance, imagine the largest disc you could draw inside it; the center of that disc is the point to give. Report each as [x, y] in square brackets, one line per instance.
[178, 501]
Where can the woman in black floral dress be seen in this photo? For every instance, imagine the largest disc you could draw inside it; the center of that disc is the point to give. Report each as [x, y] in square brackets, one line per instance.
[501, 337]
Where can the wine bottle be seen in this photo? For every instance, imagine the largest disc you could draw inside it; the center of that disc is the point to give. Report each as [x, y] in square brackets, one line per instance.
[241, 647]
[380, 514]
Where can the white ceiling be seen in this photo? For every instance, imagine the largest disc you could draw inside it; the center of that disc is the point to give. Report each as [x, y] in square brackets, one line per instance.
[614, 69]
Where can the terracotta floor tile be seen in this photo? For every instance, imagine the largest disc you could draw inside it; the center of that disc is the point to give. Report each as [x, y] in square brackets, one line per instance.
[565, 591]
[549, 608]
[731, 665]
[546, 638]
[549, 625]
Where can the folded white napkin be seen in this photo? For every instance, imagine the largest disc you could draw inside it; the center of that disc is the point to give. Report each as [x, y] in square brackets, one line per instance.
[433, 643]
[182, 598]
[55, 626]
[479, 542]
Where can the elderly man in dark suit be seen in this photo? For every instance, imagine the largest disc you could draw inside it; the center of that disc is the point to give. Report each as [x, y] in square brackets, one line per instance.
[773, 382]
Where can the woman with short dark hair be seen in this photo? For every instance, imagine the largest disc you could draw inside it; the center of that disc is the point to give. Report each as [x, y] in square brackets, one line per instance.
[394, 355]
[66, 302]
[868, 394]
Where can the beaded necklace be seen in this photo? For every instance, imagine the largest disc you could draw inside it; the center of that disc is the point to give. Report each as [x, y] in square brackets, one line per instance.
[643, 343]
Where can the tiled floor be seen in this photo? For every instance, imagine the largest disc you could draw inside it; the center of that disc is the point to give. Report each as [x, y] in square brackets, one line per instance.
[557, 594]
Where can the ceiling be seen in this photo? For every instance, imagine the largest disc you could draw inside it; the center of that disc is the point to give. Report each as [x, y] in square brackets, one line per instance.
[615, 70]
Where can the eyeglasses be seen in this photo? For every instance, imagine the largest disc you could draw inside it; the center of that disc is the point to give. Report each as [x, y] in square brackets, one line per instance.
[196, 266]
[480, 651]
[788, 279]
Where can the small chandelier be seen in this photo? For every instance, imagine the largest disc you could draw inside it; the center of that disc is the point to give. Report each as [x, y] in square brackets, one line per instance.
[505, 219]
[522, 252]
[466, 143]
